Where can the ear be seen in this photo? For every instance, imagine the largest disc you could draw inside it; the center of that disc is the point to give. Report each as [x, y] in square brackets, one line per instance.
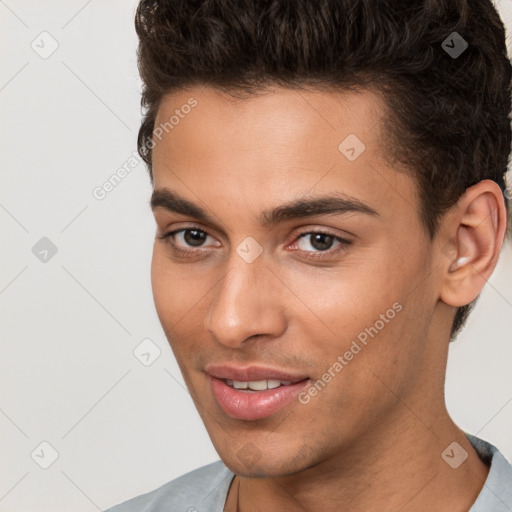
[473, 233]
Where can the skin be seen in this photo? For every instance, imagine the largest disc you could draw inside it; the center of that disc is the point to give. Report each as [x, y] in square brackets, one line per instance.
[373, 437]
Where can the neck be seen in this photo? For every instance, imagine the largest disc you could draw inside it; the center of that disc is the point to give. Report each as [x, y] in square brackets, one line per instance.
[397, 468]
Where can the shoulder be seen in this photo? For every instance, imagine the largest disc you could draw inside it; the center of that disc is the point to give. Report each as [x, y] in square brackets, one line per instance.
[204, 489]
[496, 493]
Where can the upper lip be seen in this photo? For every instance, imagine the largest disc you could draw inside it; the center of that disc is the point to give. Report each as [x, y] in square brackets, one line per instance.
[251, 373]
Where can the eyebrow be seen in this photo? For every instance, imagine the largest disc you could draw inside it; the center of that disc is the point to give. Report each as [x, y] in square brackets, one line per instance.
[299, 208]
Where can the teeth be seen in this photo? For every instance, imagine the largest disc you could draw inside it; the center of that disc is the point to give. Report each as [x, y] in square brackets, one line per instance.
[271, 383]
[257, 385]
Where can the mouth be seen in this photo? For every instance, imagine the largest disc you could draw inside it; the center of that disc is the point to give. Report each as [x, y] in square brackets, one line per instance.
[257, 385]
[253, 393]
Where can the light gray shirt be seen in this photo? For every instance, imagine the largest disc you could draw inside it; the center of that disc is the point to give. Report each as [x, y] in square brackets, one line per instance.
[205, 489]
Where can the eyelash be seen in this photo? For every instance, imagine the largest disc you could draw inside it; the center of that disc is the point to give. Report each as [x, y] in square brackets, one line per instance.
[343, 243]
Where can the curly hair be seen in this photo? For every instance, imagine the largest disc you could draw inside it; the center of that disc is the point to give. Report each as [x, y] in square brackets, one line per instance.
[447, 117]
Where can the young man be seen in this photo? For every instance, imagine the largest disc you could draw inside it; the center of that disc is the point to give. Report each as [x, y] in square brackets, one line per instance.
[329, 197]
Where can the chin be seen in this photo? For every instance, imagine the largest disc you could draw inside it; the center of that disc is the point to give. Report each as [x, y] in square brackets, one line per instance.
[260, 470]
[250, 463]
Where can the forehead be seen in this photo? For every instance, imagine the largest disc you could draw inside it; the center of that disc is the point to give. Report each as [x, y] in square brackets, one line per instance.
[284, 114]
[279, 144]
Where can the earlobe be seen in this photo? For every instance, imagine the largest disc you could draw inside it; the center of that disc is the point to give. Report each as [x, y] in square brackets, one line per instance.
[476, 230]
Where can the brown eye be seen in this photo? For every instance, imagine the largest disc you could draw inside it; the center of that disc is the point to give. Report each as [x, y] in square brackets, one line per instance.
[320, 241]
[194, 237]
[319, 244]
[188, 242]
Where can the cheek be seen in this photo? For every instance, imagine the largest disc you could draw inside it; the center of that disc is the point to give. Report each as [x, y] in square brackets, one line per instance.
[363, 328]
[341, 304]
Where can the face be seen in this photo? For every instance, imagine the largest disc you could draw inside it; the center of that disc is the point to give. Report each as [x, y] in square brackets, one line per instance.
[291, 273]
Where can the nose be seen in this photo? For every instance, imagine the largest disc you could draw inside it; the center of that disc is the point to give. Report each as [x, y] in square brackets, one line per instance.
[246, 303]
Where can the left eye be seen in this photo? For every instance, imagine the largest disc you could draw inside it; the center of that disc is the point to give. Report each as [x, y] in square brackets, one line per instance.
[319, 241]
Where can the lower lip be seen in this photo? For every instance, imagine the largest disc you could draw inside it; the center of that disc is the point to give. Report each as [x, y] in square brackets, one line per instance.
[254, 405]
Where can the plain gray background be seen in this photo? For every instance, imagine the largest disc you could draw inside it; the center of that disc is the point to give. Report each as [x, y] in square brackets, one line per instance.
[112, 427]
